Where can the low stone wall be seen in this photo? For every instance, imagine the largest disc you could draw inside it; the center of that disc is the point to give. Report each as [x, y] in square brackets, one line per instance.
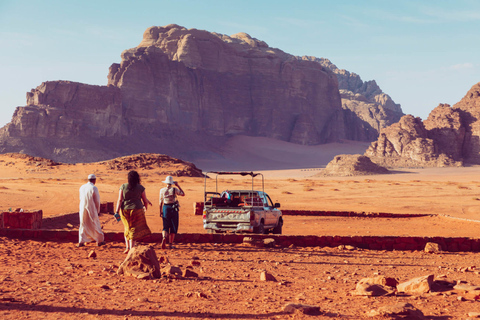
[365, 242]
[22, 219]
[106, 207]
[349, 214]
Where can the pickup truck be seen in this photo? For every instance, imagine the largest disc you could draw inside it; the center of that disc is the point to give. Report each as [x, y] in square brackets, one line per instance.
[240, 210]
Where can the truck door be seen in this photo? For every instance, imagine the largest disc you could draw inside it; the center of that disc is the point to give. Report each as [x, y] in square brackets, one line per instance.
[268, 207]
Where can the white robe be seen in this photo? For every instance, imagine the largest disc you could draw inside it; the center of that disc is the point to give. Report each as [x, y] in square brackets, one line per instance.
[90, 228]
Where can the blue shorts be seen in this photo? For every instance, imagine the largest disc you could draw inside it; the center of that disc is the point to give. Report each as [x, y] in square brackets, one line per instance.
[170, 218]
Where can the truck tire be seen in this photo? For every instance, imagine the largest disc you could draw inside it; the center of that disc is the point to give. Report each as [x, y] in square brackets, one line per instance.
[278, 227]
[261, 228]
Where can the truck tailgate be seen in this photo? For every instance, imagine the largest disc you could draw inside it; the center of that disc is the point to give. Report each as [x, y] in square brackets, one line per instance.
[228, 215]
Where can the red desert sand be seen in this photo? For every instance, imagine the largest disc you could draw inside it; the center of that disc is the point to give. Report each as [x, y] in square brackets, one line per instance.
[55, 280]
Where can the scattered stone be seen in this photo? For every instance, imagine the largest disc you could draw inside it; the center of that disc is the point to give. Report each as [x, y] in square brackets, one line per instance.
[171, 270]
[69, 225]
[189, 274]
[195, 263]
[253, 242]
[269, 242]
[140, 262]
[92, 254]
[398, 311]
[163, 260]
[466, 287]
[474, 314]
[349, 247]
[265, 276]
[302, 308]
[417, 285]
[384, 281]
[372, 290]
[442, 285]
[432, 247]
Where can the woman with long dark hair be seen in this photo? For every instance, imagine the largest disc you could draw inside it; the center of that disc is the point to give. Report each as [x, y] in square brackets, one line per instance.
[131, 204]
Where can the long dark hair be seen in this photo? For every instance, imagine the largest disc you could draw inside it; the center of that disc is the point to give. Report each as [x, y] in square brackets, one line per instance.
[133, 179]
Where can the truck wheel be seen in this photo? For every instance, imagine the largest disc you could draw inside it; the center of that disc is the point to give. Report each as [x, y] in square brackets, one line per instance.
[278, 228]
[261, 228]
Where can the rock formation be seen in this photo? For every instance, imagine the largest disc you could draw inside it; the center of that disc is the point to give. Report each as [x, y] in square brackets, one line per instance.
[367, 108]
[449, 137]
[352, 165]
[183, 91]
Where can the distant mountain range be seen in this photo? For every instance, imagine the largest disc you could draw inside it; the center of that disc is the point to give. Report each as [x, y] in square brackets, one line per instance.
[185, 92]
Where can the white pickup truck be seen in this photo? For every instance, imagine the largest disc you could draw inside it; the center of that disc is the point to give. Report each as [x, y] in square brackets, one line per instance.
[239, 210]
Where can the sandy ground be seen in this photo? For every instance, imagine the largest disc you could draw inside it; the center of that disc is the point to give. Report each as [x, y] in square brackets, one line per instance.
[45, 280]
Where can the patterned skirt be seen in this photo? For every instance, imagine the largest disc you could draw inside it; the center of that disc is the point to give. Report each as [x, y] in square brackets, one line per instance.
[135, 223]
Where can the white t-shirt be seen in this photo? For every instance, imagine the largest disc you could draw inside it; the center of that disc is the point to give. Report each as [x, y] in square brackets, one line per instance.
[169, 194]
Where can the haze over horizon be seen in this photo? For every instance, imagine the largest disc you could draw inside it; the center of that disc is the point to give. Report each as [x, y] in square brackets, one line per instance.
[421, 53]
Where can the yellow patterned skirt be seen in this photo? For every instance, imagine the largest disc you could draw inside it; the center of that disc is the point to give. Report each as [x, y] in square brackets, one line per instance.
[135, 223]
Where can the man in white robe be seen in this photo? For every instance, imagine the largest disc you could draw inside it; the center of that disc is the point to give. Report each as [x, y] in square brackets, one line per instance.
[90, 228]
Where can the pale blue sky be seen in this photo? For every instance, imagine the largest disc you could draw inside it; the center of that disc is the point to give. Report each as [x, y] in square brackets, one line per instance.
[421, 53]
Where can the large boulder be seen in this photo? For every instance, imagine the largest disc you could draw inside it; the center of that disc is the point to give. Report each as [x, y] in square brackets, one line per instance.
[141, 262]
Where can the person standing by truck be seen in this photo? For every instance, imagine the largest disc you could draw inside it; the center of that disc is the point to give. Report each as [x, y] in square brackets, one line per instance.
[169, 210]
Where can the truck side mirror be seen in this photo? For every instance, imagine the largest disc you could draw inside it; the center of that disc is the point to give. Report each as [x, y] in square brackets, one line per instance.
[276, 205]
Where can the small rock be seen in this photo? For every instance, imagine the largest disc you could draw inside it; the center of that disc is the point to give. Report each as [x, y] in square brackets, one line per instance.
[398, 311]
[171, 270]
[163, 260]
[69, 225]
[92, 254]
[303, 308]
[372, 290]
[417, 285]
[190, 274]
[269, 242]
[474, 314]
[265, 276]
[432, 247]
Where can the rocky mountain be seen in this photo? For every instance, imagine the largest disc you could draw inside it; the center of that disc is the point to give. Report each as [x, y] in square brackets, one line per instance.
[183, 92]
[367, 108]
[450, 136]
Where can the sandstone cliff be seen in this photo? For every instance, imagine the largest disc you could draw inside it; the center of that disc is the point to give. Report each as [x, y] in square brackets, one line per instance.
[367, 108]
[450, 136]
[182, 92]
